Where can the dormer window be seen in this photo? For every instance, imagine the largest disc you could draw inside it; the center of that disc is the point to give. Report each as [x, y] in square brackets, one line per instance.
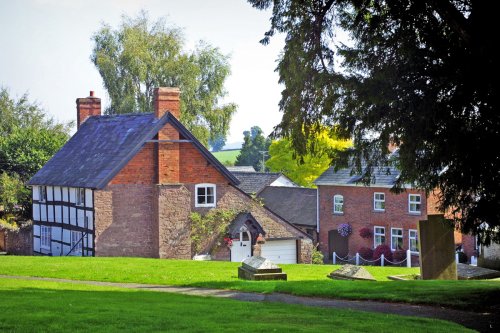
[205, 195]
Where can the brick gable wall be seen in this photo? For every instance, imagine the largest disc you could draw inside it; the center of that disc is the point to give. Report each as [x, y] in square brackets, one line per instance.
[141, 169]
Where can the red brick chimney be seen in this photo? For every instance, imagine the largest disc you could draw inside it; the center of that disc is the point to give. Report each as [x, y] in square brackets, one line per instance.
[87, 107]
[167, 99]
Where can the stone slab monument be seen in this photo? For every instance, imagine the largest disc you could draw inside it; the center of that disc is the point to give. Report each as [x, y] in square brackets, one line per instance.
[259, 268]
[437, 249]
[351, 272]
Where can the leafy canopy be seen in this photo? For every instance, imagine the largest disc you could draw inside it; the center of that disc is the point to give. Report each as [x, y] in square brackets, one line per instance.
[412, 73]
[141, 55]
[255, 146]
[28, 139]
[305, 169]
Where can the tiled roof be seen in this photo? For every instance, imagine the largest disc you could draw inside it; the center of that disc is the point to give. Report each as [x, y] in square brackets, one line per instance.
[385, 176]
[103, 145]
[241, 168]
[296, 204]
[254, 182]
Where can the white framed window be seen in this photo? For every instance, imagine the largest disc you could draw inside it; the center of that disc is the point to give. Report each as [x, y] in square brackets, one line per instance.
[76, 242]
[378, 236]
[396, 239]
[45, 237]
[42, 193]
[379, 201]
[205, 195]
[413, 240]
[414, 203]
[338, 204]
[80, 196]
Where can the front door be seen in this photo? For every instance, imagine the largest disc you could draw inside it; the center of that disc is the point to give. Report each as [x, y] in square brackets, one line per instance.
[242, 247]
[337, 244]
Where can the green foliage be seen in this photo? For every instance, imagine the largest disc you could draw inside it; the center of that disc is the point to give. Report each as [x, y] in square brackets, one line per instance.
[254, 143]
[8, 222]
[217, 143]
[411, 73]
[141, 55]
[207, 230]
[28, 139]
[12, 193]
[317, 256]
[305, 169]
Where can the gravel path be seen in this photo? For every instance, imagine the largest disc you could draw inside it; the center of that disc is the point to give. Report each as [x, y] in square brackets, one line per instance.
[483, 322]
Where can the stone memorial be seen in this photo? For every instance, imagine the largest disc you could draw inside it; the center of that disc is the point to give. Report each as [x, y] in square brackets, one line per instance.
[351, 272]
[437, 249]
[259, 268]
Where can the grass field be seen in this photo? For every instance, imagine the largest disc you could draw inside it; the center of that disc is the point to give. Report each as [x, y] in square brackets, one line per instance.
[227, 157]
[40, 306]
[305, 280]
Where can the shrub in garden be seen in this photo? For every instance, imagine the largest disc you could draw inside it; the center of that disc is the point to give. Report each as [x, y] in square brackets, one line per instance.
[365, 232]
[399, 255]
[317, 256]
[366, 253]
[382, 249]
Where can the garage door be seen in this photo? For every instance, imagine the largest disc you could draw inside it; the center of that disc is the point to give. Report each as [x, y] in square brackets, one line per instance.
[280, 251]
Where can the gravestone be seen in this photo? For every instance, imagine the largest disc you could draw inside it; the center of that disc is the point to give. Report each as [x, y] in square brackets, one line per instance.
[437, 249]
[259, 268]
[351, 272]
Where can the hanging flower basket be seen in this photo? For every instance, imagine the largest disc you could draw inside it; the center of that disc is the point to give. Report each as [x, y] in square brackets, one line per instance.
[365, 233]
[344, 229]
[228, 241]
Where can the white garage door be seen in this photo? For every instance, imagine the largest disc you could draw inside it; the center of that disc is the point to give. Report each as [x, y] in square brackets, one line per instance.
[280, 251]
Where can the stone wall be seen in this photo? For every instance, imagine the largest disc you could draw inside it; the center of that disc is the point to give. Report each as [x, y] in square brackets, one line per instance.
[18, 242]
[490, 257]
[174, 227]
[124, 221]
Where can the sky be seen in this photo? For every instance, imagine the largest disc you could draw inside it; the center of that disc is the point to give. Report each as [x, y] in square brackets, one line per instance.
[46, 46]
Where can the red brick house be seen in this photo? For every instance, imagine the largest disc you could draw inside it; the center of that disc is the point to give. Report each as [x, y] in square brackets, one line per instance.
[125, 185]
[386, 218]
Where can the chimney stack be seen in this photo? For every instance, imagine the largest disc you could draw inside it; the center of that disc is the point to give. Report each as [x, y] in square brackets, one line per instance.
[87, 107]
[166, 99]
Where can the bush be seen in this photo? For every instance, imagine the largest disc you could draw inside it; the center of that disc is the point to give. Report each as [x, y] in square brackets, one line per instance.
[366, 253]
[365, 232]
[382, 249]
[317, 256]
[399, 255]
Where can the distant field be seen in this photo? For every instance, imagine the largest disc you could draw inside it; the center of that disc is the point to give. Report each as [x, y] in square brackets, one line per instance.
[227, 157]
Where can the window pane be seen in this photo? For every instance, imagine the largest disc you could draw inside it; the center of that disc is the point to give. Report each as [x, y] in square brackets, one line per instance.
[201, 190]
[210, 199]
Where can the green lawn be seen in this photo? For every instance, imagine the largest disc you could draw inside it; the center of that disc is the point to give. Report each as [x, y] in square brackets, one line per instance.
[306, 280]
[227, 157]
[40, 306]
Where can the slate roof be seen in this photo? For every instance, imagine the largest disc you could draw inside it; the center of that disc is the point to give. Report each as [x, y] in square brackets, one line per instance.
[297, 205]
[240, 220]
[241, 168]
[103, 145]
[381, 177]
[254, 182]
